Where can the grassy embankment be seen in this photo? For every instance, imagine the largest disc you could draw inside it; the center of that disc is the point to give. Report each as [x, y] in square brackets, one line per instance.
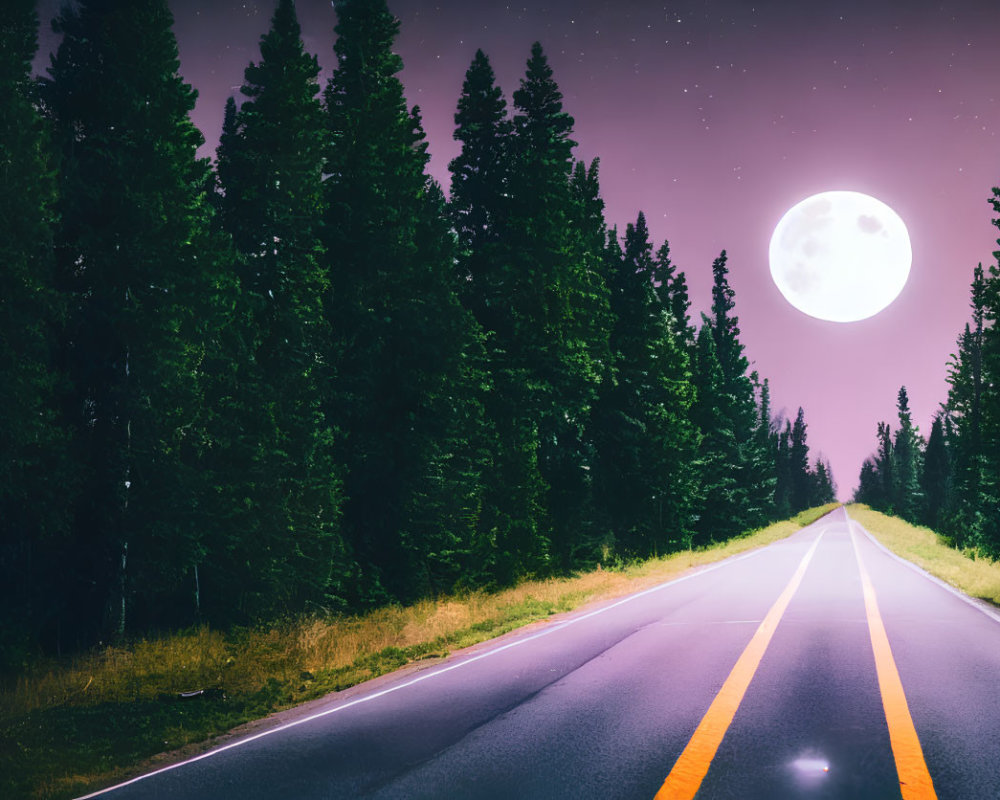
[71, 726]
[965, 570]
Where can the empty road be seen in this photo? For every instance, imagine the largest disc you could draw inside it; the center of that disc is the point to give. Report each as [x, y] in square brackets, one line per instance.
[817, 667]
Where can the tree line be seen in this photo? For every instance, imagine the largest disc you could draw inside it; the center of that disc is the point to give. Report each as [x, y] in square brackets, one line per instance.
[950, 482]
[298, 378]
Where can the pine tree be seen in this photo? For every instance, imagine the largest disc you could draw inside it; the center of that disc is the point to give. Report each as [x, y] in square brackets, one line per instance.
[986, 297]
[869, 489]
[719, 495]
[906, 497]
[965, 411]
[825, 490]
[877, 484]
[512, 541]
[768, 436]
[575, 493]
[558, 311]
[479, 184]
[408, 354]
[726, 325]
[280, 547]
[147, 288]
[589, 246]
[885, 469]
[671, 288]
[754, 478]
[36, 484]
[765, 424]
[646, 442]
[798, 454]
[936, 478]
[783, 473]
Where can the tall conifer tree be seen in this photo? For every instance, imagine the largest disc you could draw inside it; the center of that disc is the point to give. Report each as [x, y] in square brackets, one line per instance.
[783, 473]
[646, 442]
[283, 539]
[936, 480]
[559, 312]
[754, 477]
[719, 494]
[965, 411]
[135, 252]
[824, 491]
[885, 468]
[35, 483]
[869, 489]
[906, 499]
[512, 540]
[408, 353]
[479, 184]
[671, 288]
[798, 454]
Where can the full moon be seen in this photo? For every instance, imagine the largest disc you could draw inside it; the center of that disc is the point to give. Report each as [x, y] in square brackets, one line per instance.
[840, 256]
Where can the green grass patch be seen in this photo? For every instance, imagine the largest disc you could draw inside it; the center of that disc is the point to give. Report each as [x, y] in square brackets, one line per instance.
[966, 570]
[68, 727]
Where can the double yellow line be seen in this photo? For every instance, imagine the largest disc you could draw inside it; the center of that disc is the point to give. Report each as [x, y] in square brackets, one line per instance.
[914, 779]
[691, 767]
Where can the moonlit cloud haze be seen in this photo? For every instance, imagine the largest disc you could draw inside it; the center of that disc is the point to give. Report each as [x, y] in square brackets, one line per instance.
[715, 118]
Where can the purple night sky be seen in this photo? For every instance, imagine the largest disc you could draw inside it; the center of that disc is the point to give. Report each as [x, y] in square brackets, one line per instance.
[714, 117]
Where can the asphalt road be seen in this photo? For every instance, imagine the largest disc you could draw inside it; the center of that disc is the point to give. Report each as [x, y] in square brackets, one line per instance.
[602, 703]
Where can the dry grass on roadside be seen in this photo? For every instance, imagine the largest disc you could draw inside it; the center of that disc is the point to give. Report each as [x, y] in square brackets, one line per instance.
[967, 571]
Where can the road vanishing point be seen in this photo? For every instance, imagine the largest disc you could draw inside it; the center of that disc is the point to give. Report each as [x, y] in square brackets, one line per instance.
[820, 666]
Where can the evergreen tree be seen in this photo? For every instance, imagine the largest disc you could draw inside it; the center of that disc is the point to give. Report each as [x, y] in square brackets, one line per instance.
[671, 288]
[646, 442]
[825, 491]
[408, 354]
[798, 455]
[885, 469]
[905, 497]
[783, 473]
[512, 541]
[877, 481]
[936, 478]
[479, 184]
[574, 491]
[965, 411]
[765, 424]
[280, 547]
[225, 169]
[589, 242]
[719, 495]
[754, 478]
[147, 291]
[558, 310]
[989, 301]
[35, 482]
[769, 440]
[869, 489]
[726, 327]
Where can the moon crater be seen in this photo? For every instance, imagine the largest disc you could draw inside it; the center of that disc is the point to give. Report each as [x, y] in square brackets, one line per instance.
[869, 224]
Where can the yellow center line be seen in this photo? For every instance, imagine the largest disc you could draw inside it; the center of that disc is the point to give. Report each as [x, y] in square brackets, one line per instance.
[685, 778]
[914, 779]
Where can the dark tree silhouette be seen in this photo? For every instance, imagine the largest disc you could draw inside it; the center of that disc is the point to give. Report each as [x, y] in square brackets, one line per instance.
[408, 354]
[282, 492]
[147, 288]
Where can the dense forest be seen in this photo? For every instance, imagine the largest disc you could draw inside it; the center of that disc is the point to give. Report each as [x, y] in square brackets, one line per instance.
[300, 378]
[950, 482]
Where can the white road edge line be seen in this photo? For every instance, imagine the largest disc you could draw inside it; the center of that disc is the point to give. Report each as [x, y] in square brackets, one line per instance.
[979, 605]
[427, 676]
